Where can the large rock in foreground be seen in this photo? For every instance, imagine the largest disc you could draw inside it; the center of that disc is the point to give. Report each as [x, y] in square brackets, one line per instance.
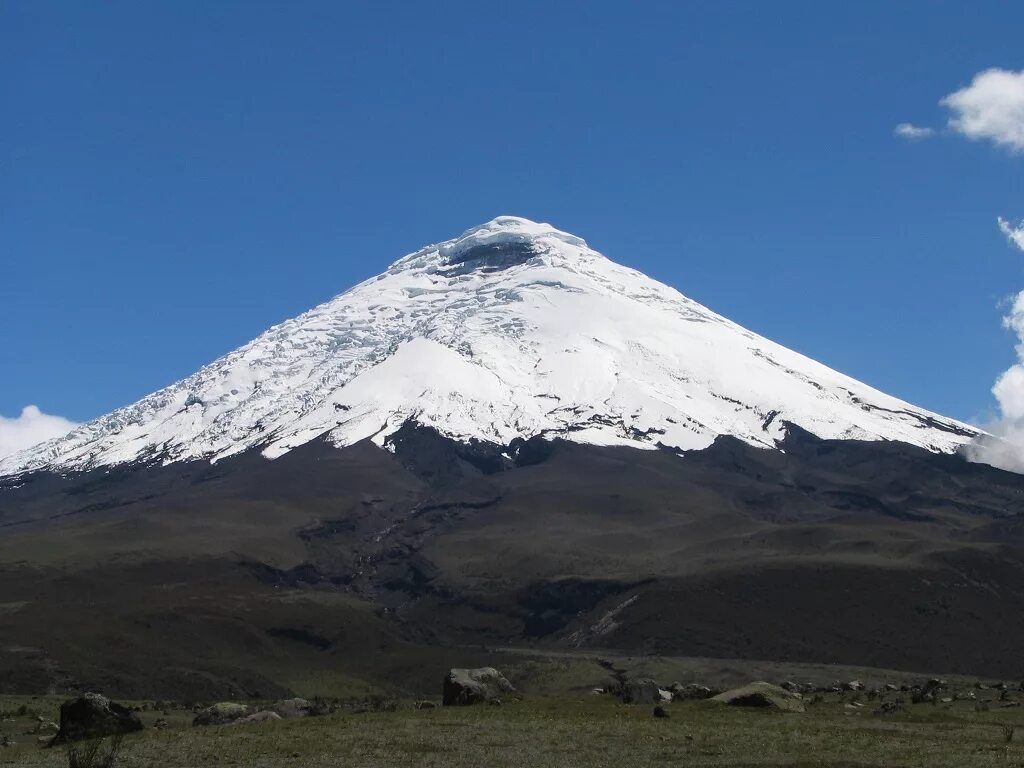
[93, 716]
[762, 695]
[474, 686]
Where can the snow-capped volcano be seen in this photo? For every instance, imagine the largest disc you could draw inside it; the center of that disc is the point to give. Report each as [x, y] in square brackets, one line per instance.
[513, 329]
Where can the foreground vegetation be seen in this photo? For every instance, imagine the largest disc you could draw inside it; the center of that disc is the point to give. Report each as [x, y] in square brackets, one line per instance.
[555, 732]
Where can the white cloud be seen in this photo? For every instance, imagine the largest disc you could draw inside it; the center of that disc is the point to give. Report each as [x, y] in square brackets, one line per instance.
[990, 108]
[31, 427]
[912, 132]
[1005, 449]
[1014, 233]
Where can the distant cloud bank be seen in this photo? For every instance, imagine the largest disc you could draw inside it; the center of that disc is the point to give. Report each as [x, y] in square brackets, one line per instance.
[991, 109]
[31, 427]
[1006, 448]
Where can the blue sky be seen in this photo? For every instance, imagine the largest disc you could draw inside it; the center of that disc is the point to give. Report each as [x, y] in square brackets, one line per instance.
[176, 177]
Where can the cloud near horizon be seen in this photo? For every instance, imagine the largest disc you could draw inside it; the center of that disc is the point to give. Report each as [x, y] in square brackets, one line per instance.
[30, 428]
[1005, 449]
[991, 109]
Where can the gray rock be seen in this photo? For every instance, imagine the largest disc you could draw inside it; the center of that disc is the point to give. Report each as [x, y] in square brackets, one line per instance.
[220, 714]
[690, 691]
[761, 694]
[292, 708]
[263, 716]
[425, 705]
[473, 686]
[92, 716]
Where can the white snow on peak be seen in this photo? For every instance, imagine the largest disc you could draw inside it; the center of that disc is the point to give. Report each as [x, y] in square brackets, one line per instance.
[513, 329]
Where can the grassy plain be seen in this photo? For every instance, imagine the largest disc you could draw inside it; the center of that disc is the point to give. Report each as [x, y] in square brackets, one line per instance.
[569, 732]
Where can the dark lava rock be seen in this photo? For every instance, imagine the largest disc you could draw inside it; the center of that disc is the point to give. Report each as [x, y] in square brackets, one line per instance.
[94, 716]
[888, 708]
[474, 686]
[643, 691]
[660, 711]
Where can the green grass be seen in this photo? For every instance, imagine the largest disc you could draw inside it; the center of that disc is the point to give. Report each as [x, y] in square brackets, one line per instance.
[571, 732]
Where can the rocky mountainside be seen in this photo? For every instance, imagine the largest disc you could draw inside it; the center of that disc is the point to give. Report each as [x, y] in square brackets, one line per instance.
[505, 441]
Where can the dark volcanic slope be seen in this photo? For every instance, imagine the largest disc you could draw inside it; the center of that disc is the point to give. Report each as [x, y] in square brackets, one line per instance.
[254, 577]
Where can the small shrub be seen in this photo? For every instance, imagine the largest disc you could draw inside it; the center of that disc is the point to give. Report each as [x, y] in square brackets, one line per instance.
[91, 753]
[1008, 731]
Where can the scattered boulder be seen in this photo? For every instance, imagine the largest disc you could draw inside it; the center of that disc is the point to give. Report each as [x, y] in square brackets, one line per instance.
[45, 741]
[888, 708]
[690, 691]
[92, 715]
[761, 694]
[263, 716]
[853, 685]
[660, 711]
[220, 714]
[473, 686]
[928, 693]
[292, 708]
[425, 705]
[643, 691]
[161, 723]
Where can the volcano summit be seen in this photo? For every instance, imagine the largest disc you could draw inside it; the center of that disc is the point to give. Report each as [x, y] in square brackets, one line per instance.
[512, 330]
